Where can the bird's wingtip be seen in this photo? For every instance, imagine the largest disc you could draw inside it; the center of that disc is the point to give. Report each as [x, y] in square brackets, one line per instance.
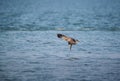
[59, 35]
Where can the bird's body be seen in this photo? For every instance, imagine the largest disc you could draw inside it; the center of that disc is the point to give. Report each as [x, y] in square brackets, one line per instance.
[71, 41]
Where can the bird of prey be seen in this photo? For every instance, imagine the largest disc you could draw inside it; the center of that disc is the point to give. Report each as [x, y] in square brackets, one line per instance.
[71, 41]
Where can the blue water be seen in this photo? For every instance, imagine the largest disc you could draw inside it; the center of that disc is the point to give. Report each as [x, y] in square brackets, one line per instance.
[67, 15]
[31, 51]
[41, 56]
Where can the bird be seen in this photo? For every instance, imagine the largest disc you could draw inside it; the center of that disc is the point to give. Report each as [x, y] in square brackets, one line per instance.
[71, 41]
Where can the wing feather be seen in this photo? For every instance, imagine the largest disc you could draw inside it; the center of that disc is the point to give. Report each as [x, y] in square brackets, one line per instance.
[63, 37]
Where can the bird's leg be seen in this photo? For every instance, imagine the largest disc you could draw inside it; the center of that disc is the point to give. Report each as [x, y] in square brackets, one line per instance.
[70, 46]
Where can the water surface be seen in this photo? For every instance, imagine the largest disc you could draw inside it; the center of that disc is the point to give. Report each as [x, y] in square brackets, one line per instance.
[40, 55]
[31, 51]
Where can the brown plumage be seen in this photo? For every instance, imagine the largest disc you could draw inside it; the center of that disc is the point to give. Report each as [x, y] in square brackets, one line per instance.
[71, 41]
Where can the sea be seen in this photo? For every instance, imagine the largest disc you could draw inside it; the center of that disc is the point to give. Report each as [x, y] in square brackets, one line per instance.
[31, 51]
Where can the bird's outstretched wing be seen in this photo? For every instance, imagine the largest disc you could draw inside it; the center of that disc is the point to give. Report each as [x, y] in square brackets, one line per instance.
[63, 37]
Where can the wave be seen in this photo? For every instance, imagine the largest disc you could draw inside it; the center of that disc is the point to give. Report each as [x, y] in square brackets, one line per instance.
[59, 17]
[58, 29]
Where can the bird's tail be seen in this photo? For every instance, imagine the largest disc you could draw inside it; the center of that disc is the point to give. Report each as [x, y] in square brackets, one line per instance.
[59, 35]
